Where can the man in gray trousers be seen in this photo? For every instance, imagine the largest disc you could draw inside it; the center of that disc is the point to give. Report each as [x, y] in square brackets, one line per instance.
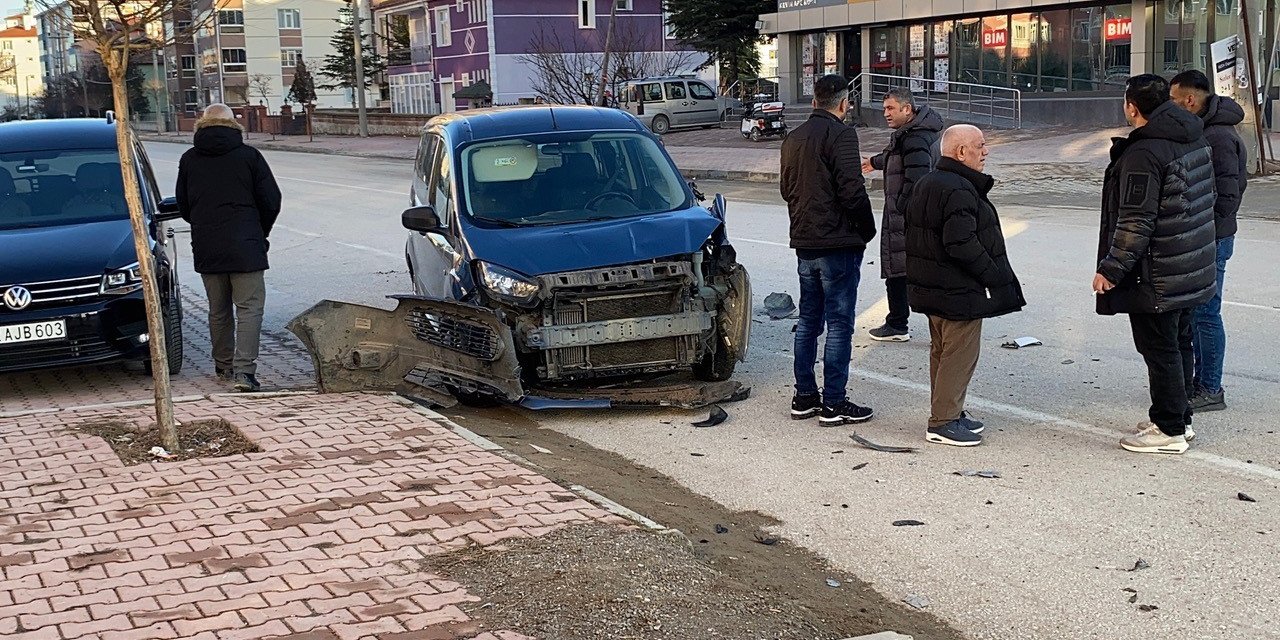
[228, 194]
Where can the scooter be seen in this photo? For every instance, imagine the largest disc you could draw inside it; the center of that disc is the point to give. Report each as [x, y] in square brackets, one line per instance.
[763, 119]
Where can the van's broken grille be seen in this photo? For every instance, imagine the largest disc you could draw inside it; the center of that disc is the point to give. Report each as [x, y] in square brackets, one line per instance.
[659, 303]
[455, 334]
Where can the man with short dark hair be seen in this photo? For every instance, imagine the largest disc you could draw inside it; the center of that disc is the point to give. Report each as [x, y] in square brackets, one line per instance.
[911, 154]
[831, 224]
[1156, 250]
[1192, 91]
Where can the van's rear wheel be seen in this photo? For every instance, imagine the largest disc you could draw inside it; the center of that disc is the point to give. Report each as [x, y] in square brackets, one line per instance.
[661, 125]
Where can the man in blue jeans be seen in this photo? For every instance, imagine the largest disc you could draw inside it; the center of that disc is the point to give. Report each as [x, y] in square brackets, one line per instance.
[1192, 91]
[831, 224]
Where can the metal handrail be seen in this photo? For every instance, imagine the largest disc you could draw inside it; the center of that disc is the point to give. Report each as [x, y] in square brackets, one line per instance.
[1000, 106]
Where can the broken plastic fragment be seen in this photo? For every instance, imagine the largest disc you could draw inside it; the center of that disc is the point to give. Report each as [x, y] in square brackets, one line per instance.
[907, 523]
[721, 529]
[877, 447]
[1018, 343]
[717, 416]
[860, 465]
[1147, 608]
[1244, 497]
[766, 540]
[1139, 565]
[970, 473]
[160, 452]
[540, 449]
[833, 583]
[779, 306]
[916, 601]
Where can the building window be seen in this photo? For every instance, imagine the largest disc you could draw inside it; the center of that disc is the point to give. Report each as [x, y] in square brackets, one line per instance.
[188, 66]
[8, 45]
[234, 61]
[586, 14]
[184, 27]
[231, 21]
[444, 31]
[289, 58]
[289, 18]
[190, 99]
[625, 5]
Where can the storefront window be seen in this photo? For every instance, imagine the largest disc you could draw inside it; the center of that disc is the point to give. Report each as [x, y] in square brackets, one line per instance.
[1055, 50]
[1024, 46]
[995, 50]
[1117, 38]
[887, 51]
[967, 51]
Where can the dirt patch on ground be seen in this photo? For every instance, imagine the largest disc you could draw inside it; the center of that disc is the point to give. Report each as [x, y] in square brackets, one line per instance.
[781, 582]
[197, 439]
[596, 582]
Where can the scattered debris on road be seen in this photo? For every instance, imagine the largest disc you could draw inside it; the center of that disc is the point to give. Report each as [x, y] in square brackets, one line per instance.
[860, 465]
[1147, 608]
[721, 529]
[779, 306]
[1244, 497]
[833, 583]
[1019, 343]
[765, 539]
[717, 416]
[916, 601]
[879, 447]
[971, 473]
[907, 523]
[1139, 565]
[160, 452]
[1068, 361]
[540, 449]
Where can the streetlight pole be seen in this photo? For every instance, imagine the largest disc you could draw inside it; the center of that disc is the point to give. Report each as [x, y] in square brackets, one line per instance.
[361, 114]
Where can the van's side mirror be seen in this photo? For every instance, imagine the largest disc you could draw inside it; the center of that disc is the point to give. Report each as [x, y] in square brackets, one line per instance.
[422, 219]
[168, 210]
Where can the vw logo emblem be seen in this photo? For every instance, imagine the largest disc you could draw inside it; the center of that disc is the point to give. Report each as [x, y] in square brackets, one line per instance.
[17, 298]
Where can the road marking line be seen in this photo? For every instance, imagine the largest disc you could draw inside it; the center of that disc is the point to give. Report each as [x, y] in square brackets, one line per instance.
[1040, 417]
[772, 244]
[340, 186]
[297, 231]
[369, 249]
[1246, 305]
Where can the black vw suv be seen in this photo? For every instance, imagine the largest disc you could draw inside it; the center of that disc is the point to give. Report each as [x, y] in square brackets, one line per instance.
[70, 289]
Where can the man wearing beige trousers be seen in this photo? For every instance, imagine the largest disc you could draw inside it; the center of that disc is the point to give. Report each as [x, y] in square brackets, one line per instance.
[957, 274]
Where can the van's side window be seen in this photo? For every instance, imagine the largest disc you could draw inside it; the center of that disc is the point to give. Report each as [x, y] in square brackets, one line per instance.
[653, 92]
[701, 91]
[441, 187]
[675, 91]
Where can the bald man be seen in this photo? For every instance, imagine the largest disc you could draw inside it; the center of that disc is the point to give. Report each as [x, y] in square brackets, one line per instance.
[957, 274]
[228, 194]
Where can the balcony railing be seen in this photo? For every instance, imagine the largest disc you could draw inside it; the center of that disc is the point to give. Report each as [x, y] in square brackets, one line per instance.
[405, 56]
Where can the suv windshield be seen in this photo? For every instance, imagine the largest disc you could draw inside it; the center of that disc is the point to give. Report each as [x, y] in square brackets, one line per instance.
[591, 177]
[53, 188]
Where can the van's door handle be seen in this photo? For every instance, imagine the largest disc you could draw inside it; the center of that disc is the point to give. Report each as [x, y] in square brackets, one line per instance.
[684, 104]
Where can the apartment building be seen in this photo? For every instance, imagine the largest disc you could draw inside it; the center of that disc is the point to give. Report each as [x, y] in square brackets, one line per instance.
[454, 44]
[247, 55]
[21, 77]
[1069, 60]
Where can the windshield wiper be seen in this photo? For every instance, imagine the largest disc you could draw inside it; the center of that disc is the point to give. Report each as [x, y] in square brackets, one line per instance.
[497, 221]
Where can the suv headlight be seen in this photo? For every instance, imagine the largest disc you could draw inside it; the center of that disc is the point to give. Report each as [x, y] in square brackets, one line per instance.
[507, 284]
[121, 281]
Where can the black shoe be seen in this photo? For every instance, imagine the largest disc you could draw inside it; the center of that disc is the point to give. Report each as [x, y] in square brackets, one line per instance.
[886, 333]
[223, 374]
[844, 413]
[954, 433]
[246, 383]
[969, 423]
[805, 407]
[1205, 401]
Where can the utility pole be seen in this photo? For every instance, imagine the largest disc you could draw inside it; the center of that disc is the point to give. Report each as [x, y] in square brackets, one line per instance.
[608, 42]
[359, 51]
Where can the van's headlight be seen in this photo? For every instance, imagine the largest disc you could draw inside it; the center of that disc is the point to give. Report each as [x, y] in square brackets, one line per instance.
[507, 284]
[124, 280]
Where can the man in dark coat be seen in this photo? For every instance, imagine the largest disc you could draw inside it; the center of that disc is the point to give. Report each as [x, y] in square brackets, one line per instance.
[1192, 91]
[912, 153]
[831, 224]
[1156, 250]
[228, 194]
[958, 273]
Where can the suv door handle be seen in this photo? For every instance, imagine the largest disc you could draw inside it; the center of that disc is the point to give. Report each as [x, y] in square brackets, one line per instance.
[684, 104]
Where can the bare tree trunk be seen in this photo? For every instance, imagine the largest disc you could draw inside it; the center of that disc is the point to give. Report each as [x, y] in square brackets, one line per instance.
[608, 42]
[115, 62]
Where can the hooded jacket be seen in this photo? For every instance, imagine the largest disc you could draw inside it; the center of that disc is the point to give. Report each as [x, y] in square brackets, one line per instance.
[1157, 234]
[912, 153]
[227, 192]
[823, 185]
[1221, 115]
[957, 266]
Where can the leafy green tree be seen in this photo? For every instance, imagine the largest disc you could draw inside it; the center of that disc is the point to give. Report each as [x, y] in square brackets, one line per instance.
[340, 65]
[725, 31]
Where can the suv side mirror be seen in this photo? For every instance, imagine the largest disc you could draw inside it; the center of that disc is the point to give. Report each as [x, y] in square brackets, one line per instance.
[422, 219]
[168, 210]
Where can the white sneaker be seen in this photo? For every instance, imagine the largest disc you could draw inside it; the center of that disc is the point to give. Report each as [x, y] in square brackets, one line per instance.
[1150, 439]
[1190, 434]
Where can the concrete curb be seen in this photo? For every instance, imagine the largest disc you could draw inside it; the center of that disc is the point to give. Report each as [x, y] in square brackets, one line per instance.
[268, 145]
[873, 184]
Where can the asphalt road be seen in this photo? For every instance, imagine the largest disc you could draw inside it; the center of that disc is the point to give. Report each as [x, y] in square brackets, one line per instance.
[1041, 552]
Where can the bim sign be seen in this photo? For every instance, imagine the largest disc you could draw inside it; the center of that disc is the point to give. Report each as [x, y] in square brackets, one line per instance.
[995, 38]
[1119, 28]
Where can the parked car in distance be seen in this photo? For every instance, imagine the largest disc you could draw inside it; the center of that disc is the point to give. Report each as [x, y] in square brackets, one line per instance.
[674, 102]
[70, 287]
[557, 258]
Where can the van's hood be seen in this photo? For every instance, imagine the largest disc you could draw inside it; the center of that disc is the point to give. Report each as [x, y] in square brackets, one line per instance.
[540, 250]
[71, 251]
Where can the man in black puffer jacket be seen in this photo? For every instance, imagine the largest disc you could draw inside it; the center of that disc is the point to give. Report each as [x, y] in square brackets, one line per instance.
[1156, 250]
[831, 225]
[911, 154]
[958, 273]
[1192, 91]
[227, 192]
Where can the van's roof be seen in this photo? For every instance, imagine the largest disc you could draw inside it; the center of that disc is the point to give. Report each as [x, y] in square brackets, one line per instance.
[505, 122]
[57, 135]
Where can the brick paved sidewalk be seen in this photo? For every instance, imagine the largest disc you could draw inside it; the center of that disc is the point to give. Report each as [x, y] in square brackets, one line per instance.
[315, 538]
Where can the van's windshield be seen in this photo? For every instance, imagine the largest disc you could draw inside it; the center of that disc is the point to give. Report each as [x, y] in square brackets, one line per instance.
[54, 188]
[520, 182]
